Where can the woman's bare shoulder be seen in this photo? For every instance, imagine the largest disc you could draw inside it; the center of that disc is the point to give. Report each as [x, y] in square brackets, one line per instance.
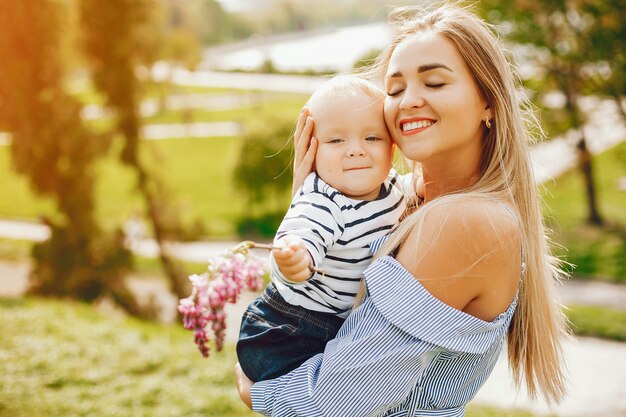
[463, 249]
[471, 218]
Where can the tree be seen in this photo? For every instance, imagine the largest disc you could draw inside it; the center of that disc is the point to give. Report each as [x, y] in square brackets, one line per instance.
[117, 42]
[559, 33]
[608, 50]
[56, 152]
[263, 170]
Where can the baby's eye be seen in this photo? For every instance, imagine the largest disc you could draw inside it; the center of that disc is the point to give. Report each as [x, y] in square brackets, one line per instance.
[372, 138]
[334, 140]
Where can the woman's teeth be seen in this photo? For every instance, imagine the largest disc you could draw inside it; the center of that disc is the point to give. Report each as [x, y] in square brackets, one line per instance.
[417, 125]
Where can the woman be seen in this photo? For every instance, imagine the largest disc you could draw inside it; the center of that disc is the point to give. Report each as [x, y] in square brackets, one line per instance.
[469, 268]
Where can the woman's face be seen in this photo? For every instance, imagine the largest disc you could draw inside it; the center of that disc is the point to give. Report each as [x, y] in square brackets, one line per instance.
[433, 109]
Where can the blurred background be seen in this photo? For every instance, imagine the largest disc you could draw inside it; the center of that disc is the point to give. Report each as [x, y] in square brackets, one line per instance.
[140, 137]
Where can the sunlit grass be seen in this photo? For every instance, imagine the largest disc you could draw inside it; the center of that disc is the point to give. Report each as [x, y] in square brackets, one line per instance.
[197, 173]
[595, 321]
[481, 411]
[67, 359]
[62, 358]
[595, 251]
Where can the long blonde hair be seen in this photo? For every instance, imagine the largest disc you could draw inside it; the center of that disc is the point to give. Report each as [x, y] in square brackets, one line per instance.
[535, 334]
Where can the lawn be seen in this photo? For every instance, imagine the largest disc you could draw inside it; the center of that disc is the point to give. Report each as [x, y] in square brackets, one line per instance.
[80, 362]
[197, 172]
[62, 358]
[596, 252]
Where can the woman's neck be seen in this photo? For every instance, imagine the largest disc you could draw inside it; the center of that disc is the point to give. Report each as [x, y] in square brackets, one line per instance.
[440, 179]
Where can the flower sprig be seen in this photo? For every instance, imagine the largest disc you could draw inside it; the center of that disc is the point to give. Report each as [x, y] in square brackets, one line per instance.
[227, 275]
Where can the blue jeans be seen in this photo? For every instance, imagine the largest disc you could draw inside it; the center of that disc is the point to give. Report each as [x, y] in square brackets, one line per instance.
[276, 337]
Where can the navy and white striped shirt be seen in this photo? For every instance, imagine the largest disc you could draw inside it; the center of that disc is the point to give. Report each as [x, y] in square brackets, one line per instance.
[417, 357]
[337, 231]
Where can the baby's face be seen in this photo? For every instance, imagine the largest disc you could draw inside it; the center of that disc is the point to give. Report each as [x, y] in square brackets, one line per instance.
[355, 149]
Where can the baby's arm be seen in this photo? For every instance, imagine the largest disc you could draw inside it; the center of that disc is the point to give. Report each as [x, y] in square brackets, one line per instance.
[293, 259]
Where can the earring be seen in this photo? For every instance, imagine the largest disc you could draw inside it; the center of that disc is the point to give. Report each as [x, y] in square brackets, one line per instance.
[487, 122]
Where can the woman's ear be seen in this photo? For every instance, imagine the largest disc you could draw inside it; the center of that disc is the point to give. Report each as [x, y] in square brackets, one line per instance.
[488, 113]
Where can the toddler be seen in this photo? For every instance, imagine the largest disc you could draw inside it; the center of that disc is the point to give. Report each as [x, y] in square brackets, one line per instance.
[352, 199]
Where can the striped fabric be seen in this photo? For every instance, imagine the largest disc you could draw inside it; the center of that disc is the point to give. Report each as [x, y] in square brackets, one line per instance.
[417, 357]
[337, 231]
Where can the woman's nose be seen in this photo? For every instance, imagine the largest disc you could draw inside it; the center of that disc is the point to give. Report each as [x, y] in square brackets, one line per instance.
[412, 98]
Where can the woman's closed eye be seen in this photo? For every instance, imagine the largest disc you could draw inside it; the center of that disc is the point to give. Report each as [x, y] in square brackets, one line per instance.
[434, 85]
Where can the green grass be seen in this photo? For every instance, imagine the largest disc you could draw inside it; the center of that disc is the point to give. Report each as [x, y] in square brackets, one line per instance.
[197, 173]
[62, 358]
[597, 252]
[67, 359]
[601, 322]
[481, 411]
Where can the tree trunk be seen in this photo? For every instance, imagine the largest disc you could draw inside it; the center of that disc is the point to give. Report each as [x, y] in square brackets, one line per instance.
[585, 165]
[584, 156]
[620, 107]
[175, 274]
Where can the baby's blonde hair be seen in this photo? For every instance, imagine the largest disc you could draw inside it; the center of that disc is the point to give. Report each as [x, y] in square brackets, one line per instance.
[346, 85]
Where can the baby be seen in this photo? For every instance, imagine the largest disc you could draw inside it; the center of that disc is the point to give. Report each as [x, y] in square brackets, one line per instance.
[352, 199]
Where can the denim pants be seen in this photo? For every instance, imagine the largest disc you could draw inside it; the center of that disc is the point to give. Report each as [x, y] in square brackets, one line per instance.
[276, 337]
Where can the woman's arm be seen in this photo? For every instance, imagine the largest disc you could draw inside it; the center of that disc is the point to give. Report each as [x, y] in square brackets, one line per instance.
[305, 146]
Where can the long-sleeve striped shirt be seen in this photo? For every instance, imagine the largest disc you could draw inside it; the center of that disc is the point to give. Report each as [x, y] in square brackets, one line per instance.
[337, 231]
[402, 352]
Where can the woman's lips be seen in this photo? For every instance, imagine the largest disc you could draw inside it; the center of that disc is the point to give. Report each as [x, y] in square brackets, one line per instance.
[415, 125]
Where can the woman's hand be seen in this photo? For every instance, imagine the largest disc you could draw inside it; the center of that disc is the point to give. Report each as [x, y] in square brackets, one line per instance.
[305, 148]
[243, 385]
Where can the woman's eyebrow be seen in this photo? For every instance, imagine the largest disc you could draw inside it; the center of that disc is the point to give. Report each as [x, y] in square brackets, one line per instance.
[429, 67]
[423, 68]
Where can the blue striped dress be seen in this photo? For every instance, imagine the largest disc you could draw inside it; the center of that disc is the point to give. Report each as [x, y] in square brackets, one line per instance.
[402, 352]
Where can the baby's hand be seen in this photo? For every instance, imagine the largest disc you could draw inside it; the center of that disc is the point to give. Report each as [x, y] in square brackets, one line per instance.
[293, 259]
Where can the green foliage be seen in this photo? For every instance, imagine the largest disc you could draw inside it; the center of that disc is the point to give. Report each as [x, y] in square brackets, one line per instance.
[55, 152]
[263, 173]
[264, 163]
[607, 47]
[259, 226]
[598, 322]
[77, 259]
[558, 37]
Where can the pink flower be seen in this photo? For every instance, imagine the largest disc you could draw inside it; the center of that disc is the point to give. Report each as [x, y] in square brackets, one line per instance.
[227, 275]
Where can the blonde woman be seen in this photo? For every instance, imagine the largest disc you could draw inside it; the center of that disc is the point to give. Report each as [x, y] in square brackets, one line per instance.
[467, 269]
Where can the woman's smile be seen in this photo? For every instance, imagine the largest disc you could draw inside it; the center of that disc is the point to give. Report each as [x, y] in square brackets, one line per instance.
[415, 125]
